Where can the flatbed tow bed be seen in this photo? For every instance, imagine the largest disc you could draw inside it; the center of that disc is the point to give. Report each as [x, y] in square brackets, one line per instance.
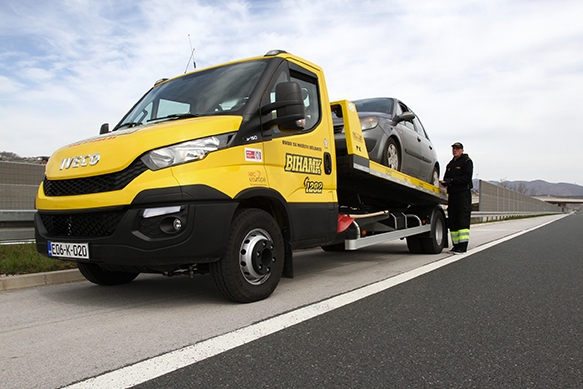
[399, 206]
[357, 175]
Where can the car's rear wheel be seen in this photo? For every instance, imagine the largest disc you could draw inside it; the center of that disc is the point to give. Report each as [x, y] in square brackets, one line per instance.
[392, 157]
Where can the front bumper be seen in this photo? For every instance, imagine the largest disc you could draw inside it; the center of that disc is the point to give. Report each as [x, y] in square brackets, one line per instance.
[125, 238]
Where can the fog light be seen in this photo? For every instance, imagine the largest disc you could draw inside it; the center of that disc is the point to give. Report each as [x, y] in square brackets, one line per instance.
[171, 225]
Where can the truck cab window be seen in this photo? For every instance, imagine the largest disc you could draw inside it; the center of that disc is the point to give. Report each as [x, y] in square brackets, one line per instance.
[310, 95]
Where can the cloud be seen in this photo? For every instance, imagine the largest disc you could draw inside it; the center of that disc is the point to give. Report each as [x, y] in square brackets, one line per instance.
[488, 73]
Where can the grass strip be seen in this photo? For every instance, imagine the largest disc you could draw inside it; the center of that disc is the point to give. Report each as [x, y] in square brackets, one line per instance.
[24, 259]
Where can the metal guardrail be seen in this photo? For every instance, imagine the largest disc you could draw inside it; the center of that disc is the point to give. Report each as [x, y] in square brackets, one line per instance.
[18, 225]
[482, 216]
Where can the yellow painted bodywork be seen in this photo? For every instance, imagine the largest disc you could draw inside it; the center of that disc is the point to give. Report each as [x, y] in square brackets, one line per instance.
[119, 149]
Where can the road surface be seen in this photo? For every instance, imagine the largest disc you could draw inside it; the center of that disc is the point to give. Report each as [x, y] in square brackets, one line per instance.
[508, 312]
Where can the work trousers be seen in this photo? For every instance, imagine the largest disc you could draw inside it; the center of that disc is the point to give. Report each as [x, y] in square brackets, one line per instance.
[459, 213]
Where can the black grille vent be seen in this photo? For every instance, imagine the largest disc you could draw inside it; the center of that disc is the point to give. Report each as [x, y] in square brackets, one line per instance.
[93, 224]
[97, 184]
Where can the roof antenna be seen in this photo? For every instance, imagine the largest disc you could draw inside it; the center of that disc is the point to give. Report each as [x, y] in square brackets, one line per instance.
[191, 55]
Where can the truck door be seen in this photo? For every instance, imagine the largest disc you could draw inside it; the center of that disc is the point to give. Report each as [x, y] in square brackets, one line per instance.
[301, 166]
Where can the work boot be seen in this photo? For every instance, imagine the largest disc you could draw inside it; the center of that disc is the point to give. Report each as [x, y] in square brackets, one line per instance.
[454, 249]
[462, 247]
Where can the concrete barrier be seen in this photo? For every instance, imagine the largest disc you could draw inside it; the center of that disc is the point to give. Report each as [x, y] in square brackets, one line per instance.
[40, 279]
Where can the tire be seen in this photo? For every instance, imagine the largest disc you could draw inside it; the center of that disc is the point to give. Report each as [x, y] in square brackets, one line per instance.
[414, 245]
[251, 268]
[99, 276]
[392, 156]
[438, 237]
[338, 247]
[435, 177]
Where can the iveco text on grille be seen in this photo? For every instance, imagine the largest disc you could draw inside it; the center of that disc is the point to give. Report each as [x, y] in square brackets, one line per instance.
[79, 161]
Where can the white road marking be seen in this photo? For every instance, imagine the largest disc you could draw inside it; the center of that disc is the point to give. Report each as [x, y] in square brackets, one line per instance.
[149, 369]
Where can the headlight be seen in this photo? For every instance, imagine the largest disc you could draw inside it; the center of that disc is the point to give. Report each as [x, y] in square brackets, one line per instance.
[368, 123]
[180, 153]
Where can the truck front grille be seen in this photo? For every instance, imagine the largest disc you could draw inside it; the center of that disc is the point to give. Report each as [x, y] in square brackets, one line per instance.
[91, 224]
[97, 184]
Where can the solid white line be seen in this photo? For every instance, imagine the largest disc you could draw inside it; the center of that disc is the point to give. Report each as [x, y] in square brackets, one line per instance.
[149, 369]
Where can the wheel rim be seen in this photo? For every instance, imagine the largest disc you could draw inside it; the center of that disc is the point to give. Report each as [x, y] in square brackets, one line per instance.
[435, 178]
[256, 255]
[393, 157]
[439, 233]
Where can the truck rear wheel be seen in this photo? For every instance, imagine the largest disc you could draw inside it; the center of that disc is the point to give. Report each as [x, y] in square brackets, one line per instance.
[338, 247]
[99, 276]
[251, 268]
[436, 242]
[414, 244]
[431, 242]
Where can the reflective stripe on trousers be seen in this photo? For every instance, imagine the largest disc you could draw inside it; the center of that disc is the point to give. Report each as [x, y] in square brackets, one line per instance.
[460, 236]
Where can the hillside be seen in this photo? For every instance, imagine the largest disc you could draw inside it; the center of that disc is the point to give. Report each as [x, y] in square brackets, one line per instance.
[8, 156]
[541, 188]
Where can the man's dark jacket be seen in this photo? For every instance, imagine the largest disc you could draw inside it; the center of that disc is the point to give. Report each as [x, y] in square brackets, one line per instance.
[458, 174]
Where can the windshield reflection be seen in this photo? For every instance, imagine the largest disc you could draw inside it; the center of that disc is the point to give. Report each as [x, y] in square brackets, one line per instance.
[222, 90]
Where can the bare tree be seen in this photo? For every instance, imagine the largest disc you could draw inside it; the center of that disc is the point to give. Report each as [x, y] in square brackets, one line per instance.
[504, 183]
[522, 188]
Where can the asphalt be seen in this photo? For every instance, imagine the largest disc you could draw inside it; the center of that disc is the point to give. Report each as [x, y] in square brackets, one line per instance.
[506, 317]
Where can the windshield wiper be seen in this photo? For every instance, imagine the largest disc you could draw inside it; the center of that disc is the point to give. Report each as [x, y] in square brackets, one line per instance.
[128, 124]
[176, 116]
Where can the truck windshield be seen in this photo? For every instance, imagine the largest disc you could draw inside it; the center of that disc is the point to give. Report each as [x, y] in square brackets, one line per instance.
[222, 90]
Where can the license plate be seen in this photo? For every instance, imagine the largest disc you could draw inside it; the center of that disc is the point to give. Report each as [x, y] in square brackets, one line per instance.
[68, 250]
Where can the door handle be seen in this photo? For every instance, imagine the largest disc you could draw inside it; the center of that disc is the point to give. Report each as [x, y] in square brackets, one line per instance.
[327, 163]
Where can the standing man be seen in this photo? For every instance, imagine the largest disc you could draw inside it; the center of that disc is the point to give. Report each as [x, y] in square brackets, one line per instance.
[458, 181]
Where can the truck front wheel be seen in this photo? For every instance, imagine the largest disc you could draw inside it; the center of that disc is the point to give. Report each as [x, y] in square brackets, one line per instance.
[99, 276]
[252, 266]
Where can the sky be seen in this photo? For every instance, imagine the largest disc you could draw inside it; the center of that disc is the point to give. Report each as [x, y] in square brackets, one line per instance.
[504, 77]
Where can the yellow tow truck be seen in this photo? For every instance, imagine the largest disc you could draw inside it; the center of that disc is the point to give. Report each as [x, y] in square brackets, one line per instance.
[228, 170]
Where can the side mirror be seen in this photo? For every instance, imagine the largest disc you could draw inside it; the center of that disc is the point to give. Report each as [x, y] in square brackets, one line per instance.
[405, 117]
[104, 128]
[289, 104]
